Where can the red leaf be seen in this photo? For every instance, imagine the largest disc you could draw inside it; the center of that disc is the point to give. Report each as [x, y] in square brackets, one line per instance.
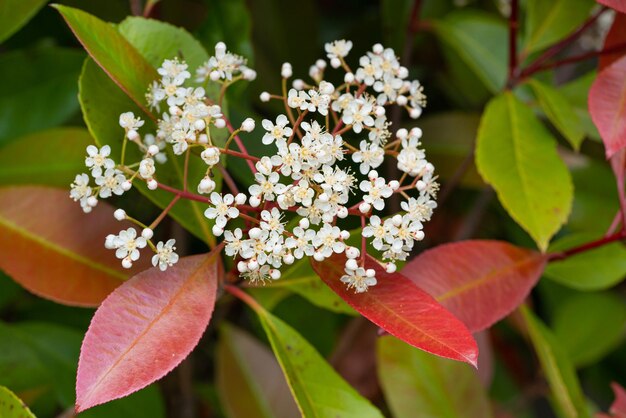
[144, 329]
[619, 5]
[615, 37]
[607, 105]
[56, 251]
[479, 281]
[403, 310]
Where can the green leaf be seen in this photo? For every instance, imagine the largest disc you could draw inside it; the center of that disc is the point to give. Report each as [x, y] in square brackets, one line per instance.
[39, 357]
[113, 53]
[60, 156]
[319, 391]
[560, 112]
[32, 99]
[590, 325]
[249, 379]
[15, 13]
[156, 41]
[102, 103]
[413, 380]
[147, 403]
[517, 156]
[479, 39]
[549, 21]
[596, 269]
[557, 367]
[577, 93]
[301, 279]
[11, 406]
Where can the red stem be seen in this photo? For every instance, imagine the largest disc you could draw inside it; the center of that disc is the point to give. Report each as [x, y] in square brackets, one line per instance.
[239, 143]
[587, 246]
[244, 297]
[230, 182]
[576, 58]
[559, 46]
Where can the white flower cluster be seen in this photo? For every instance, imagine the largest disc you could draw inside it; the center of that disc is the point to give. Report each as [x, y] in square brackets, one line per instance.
[305, 185]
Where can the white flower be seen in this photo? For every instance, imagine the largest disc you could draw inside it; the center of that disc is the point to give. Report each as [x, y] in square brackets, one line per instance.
[268, 186]
[175, 70]
[211, 156]
[370, 69]
[146, 168]
[378, 230]
[370, 156]
[165, 256]
[377, 190]
[270, 221]
[222, 209]
[327, 240]
[222, 66]
[318, 102]
[97, 159]
[233, 242]
[303, 194]
[420, 209]
[277, 132]
[358, 114]
[411, 159]
[298, 99]
[388, 88]
[111, 183]
[127, 245]
[338, 49]
[81, 192]
[129, 122]
[301, 242]
[358, 280]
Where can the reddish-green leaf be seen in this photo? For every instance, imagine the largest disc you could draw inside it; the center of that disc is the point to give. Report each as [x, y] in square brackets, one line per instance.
[404, 310]
[479, 281]
[144, 329]
[113, 53]
[607, 105]
[250, 381]
[557, 368]
[438, 388]
[615, 37]
[55, 250]
[618, 5]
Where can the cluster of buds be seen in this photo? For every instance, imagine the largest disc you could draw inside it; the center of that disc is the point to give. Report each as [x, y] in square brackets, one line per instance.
[322, 164]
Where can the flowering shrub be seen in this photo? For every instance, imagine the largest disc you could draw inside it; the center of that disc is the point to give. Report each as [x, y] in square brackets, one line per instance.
[303, 170]
[263, 242]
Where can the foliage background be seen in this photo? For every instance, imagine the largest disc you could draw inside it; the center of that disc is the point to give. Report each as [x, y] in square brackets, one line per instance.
[458, 50]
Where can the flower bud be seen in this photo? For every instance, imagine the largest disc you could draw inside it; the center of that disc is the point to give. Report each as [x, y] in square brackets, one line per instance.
[147, 233]
[119, 214]
[248, 125]
[286, 71]
[335, 62]
[152, 184]
[265, 97]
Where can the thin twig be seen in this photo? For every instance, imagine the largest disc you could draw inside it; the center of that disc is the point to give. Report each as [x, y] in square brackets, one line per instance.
[513, 25]
[559, 46]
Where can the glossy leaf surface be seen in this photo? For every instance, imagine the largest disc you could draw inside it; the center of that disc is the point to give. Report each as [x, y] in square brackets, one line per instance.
[479, 281]
[15, 13]
[317, 388]
[144, 329]
[60, 156]
[72, 266]
[560, 112]
[516, 154]
[402, 309]
[607, 105]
